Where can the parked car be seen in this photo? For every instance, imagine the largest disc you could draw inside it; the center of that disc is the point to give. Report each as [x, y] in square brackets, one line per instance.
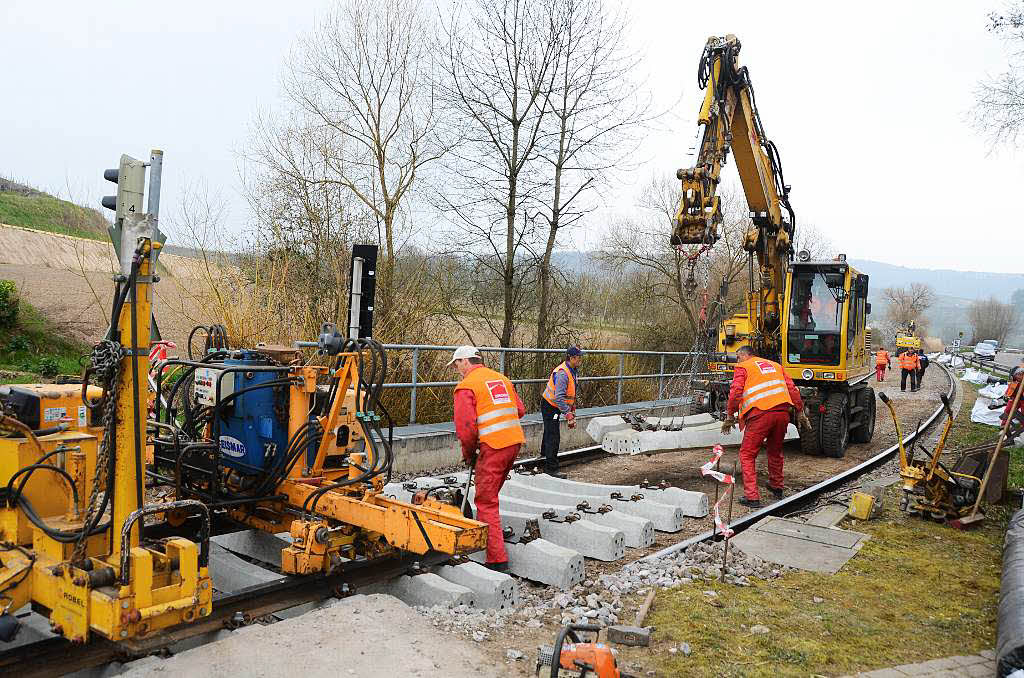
[986, 350]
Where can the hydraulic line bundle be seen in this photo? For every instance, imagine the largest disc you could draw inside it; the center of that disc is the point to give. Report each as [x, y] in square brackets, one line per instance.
[232, 437]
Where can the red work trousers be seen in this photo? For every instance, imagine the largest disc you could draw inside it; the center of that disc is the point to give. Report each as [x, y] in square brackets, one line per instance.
[770, 426]
[879, 372]
[492, 467]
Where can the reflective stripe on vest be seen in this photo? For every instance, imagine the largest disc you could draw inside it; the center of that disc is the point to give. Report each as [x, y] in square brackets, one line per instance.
[497, 415]
[908, 362]
[570, 387]
[765, 386]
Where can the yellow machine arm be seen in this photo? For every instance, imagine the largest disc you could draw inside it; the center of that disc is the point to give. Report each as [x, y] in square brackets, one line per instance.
[729, 120]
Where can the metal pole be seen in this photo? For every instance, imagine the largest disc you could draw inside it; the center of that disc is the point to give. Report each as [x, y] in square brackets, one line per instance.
[501, 361]
[732, 500]
[661, 378]
[415, 375]
[357, 298]
[156, 168]
[618, 395]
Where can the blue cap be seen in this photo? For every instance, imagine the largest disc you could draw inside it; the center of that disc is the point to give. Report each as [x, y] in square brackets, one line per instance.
[574, 351]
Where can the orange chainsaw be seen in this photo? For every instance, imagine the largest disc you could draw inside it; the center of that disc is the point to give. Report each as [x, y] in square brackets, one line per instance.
[578, 658]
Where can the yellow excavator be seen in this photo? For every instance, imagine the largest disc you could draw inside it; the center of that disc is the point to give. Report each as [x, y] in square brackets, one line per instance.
[807, 314]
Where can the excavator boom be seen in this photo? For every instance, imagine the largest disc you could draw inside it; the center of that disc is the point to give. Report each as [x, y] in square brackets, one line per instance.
[729, 120]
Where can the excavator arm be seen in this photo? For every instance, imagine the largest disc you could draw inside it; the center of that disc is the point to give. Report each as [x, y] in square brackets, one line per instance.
[729, 120]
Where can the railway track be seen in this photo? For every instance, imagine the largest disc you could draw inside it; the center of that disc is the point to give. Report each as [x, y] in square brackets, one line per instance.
[56, 656]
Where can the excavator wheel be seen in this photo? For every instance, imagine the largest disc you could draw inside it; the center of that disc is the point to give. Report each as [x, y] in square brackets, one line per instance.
[866, 401]
[809, 441]
[835, 426]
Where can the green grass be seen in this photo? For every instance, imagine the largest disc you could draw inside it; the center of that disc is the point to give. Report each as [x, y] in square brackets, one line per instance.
[47, 213]
[917, 590]
[36, 347]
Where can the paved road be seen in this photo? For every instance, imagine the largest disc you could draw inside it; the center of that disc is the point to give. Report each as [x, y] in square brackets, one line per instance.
[1009, 359]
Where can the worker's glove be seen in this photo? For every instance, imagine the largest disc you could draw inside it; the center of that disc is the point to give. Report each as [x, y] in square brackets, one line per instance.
[804, 421]
[470, 458]
[727, 425]
[570, 419]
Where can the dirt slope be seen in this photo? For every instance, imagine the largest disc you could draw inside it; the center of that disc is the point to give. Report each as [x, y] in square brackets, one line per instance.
[69, 280]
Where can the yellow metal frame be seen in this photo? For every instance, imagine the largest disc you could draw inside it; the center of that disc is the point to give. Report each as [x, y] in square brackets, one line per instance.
[166, 586]
[356, 519]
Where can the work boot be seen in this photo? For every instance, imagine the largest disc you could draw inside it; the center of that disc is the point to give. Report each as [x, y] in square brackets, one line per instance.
[557, 474]
[497, 567]
[751, 503]
[777, 492]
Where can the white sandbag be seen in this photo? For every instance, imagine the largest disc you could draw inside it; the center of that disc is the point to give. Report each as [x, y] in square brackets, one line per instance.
[974, 376]
[981, 414]
[993, 391]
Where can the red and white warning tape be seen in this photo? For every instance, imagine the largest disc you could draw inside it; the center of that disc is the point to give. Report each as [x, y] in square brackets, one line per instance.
[708, 469]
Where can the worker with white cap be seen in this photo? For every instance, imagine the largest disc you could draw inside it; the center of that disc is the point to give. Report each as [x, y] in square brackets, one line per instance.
[487, 413]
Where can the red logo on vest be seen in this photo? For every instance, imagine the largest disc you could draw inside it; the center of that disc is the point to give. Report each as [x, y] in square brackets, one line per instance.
[765, 367]
[499, 394]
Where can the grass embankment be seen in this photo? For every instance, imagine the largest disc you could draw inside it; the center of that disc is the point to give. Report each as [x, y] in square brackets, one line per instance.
[34, 350]
[916, 591]
[44, 212]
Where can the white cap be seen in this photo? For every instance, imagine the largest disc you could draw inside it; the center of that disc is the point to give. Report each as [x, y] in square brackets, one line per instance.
[464, 352]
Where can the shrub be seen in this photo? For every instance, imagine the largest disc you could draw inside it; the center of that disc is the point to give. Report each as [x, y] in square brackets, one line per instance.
[8, 303]
[48, 367]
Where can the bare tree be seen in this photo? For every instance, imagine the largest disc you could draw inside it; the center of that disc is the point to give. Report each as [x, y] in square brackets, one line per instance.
[908, 305]
[499, 62]
[639, 252]
[595, 107]
[364, 80]
[998, 111]
[992, 319]
[810, 238]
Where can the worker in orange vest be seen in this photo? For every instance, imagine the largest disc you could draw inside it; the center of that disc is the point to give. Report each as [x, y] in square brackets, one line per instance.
[487, 413]
[909, 365]
[764, 396]
[559, 402]
[882, 362]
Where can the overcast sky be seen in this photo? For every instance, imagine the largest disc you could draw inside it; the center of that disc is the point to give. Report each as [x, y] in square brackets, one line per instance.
[866, 102]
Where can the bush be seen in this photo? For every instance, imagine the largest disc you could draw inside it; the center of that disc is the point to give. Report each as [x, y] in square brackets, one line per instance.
[8, 303]
[19, 343]
[48, 367]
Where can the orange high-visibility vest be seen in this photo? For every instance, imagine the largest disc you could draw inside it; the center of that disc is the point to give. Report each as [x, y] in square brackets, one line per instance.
[909, 362]
[570, 388]
[765, 386]
[497, 416]
[882, 357]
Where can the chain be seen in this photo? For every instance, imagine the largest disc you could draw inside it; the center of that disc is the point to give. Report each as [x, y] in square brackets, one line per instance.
[106, 364]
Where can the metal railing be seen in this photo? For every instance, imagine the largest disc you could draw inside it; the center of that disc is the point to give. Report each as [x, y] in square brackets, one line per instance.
[622, 376]
[989, 366]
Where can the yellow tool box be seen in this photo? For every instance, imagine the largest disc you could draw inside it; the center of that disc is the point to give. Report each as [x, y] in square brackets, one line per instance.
[42, 406]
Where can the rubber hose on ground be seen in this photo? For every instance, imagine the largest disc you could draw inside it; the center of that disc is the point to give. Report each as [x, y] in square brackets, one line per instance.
[1010, 634]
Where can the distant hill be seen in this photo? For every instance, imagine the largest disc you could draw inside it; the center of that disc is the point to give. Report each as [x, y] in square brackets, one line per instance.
[959, 284]
[25, 206]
